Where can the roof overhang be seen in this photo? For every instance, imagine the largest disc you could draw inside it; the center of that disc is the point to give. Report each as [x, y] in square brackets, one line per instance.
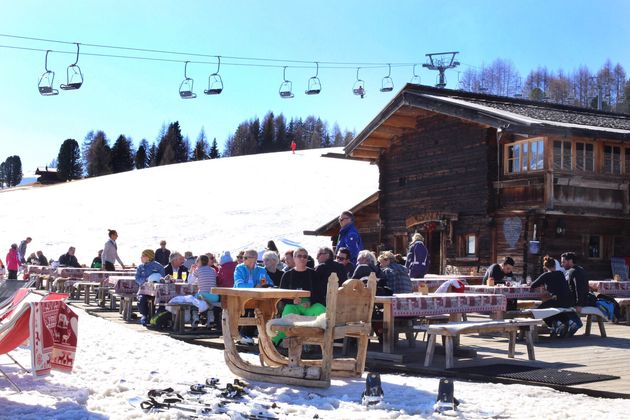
[413, 104]
[332, 227]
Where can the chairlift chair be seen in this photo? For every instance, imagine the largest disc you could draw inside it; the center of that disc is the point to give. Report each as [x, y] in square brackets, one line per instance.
[45, 85]
[359, 86]
[314, 85]
[286, 87]
[387, 84]
[74, 75]
[186, 87]
[415, 79]
[215, 83]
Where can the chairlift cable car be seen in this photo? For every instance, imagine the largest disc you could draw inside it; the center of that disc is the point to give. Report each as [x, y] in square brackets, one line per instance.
[74, 75]
[387, 84]
[215, 83]
[45, 85]
[186, 87]
[415, 78]
[286, 87]
[314, 85]
[359, 86]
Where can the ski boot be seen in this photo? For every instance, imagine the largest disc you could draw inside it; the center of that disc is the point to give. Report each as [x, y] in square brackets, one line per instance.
[373, 393]
[445, 402]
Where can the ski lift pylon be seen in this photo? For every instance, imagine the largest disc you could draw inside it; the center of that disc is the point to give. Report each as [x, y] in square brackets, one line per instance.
[314, 85]
[45, 85]
[359, 86]
[215, 83]
[186, 87]
[74, 75]
[286, 87]
[415, 78]
[387, 84]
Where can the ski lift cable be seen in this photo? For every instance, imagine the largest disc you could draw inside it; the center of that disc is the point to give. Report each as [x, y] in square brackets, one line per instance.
[170, 60]
[192, 54]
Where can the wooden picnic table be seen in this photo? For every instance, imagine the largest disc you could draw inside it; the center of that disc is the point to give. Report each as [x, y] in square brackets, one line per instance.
[413, 304]
[234, 302]
[74, 272]
[86, 286]
[100, 275]
[611, 287]
[467, 278]
[510, 292]
[164, 292]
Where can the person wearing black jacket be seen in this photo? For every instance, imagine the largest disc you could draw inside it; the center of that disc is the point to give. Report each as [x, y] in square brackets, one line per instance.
[68, 259]
[327, 265]
[558, 288]
[302, 278]
[42, 258]
[176, 268]
[162, 254]
[576, 277]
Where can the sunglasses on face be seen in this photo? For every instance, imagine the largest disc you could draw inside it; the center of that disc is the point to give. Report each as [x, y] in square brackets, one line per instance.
[302, 256]
[340, 258]
[341, 219]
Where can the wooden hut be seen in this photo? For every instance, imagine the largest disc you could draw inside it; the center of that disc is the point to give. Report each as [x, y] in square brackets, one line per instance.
[47, 175]
[483, 177]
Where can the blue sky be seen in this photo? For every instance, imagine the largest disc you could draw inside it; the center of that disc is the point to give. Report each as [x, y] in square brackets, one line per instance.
[135, 98]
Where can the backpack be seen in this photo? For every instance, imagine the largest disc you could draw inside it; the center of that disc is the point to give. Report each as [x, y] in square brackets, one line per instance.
[162, 320]
[615, 309]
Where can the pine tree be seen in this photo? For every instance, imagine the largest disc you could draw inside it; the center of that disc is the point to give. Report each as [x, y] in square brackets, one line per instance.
[3, 174]
[200, 152]
[253, 138]
[142, 158]
[214, 150]
[267, 134]
[85, 149]
[13, 171]
[152, 156]
[69, 161]
[122, 159]
[281, 142]
[99, 156]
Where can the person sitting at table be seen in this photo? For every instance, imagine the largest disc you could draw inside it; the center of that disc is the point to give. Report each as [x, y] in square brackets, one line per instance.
[271, 261]
[42, 258]
[499, 273]
[249, 274]
[97, 262]
[288, 260]
[212, 262]
[148, 267]
[68, 259]
[176, 268]
[578, 286]
[343, 258]
[395, 274]
[225, 276]
[327, 265]
[204, 276]
[301, 277]
[189, 259]
[556, 285]
[32, 259]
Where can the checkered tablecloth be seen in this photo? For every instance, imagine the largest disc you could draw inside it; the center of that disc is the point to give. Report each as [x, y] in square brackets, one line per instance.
[411, 304]
[510, 292]
[164, 292]
[611, 288]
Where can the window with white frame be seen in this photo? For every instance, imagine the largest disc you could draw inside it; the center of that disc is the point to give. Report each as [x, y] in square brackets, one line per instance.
[525, 156]
[612, 160]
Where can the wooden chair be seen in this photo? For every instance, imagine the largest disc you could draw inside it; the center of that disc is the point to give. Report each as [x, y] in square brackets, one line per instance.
[348, 314]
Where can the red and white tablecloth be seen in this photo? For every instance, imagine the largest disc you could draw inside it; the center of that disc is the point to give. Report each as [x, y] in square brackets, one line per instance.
[123, 284]
[510, 292]
[164, 292]
[611, 288]
[411, 304]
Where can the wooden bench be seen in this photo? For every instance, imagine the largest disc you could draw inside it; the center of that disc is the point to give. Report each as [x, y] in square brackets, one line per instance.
[592, 312]
[126, 304]
[86, 286]
[453, 330]
[179, 316]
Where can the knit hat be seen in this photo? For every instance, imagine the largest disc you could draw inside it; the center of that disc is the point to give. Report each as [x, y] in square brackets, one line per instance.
[149, 254]
[225, 258]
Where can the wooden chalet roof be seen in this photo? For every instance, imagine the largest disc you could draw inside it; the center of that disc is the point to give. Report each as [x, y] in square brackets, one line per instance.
[414, 103]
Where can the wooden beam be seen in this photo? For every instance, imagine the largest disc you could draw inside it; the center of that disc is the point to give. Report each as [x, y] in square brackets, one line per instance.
[378, 142]
[401, 122]
[391, 130]
[364, 154]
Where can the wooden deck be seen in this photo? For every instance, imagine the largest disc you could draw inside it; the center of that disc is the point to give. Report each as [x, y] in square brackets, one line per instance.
[592, 354]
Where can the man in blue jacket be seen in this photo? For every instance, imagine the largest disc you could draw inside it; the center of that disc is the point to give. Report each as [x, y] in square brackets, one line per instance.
[349, 236]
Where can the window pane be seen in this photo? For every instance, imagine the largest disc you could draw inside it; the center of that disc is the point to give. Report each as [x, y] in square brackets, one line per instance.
[557, 155]
[594, 246]
[524, 156]
[628, 160]
[589, 158]
[616, 160]
[566, 155]
[517, 158]
[579, 156]
[533, 155]
[540, 160]
[471, 244]
[607, 159]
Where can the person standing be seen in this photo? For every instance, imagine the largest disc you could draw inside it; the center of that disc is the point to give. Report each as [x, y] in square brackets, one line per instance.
[162, 254]
[417, 261]
[578, 286]
[110, 252]
[293, 146]
[22, 249]
[13, 262]
[349, 235]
